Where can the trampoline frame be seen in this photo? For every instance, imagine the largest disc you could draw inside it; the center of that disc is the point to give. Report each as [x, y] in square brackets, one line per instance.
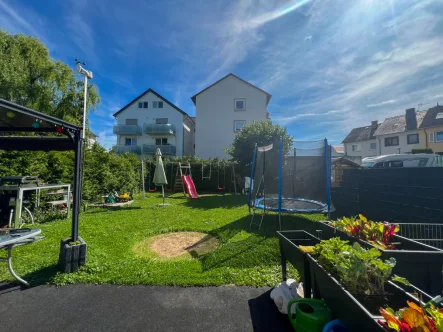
[325, 207]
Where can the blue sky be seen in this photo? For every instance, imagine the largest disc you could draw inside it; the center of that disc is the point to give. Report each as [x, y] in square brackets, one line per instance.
[330, 65]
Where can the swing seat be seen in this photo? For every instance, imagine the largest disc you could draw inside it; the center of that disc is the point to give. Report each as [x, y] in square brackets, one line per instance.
[221, 189]
[152, 190]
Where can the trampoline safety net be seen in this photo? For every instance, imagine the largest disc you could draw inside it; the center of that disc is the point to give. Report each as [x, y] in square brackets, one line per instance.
[297, 181]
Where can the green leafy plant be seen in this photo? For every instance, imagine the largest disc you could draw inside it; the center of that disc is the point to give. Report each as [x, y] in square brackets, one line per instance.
[360, 271]
[378, 233]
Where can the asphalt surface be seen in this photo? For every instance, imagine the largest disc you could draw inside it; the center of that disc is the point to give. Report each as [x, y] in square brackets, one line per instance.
[138, 308]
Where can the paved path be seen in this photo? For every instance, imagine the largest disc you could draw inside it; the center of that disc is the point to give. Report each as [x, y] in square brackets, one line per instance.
[139, 308]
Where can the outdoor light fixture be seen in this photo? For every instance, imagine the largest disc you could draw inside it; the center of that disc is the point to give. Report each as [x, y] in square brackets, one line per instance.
[10, 114]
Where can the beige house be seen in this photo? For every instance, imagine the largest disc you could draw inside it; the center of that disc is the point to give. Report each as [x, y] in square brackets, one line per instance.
[432, 125]
[401, 134]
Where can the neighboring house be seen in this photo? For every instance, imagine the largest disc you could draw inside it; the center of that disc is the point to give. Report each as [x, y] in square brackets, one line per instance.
[222, 109]
[401, 134]
[361, 142]
[149, 122]
[337, 151]
[91, 139]
[432, 125]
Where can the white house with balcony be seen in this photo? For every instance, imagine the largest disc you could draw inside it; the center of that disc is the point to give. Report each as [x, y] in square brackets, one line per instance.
[222, 109]
[149, 122]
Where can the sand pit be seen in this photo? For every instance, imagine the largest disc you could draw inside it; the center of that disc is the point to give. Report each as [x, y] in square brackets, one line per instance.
[177, 244]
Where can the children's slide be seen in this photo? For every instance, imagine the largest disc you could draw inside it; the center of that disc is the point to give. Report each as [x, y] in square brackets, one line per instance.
[190, 187]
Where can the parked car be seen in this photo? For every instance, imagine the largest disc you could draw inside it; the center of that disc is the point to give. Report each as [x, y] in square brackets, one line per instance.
[403, 160]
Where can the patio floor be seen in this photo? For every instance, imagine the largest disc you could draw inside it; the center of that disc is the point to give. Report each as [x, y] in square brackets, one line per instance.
[138, 308]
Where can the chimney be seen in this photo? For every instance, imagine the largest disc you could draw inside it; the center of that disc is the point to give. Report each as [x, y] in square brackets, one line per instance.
[374, 124]
[411, 119]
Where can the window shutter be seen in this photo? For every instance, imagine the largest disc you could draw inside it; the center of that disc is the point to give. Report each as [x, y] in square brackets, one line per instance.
[134, 141]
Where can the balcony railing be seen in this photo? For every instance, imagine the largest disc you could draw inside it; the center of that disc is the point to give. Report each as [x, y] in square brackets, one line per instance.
[167, 150]
[137, 149]
[159, 129]
[127, 130]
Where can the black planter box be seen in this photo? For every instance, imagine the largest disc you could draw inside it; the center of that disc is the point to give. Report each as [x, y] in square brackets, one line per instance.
[71, 257]
[419, 263]
[290, 251]
[357, 313]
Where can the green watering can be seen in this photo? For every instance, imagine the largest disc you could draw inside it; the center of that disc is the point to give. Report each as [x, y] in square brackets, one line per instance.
[311, 315]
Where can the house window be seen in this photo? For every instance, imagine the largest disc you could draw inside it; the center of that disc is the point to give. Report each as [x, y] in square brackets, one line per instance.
[240, 104]
[161, 121]
[439, 115]
[161, 141]
[439, 136]
[356, 147]
[413, 139]
[372, 146]
[130, 141]
[238, 125]
[145, 104]
[157, 104]
[131, 122]
[140, 105]
[431, 137]
[391, 141]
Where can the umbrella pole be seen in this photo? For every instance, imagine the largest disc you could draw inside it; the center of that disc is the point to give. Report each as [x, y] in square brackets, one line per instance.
[163, 192]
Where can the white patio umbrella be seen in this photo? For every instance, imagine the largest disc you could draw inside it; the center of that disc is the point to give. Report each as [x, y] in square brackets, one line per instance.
[159, 174]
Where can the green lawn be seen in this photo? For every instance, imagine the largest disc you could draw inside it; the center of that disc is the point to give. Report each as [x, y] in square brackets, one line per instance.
[244, 257]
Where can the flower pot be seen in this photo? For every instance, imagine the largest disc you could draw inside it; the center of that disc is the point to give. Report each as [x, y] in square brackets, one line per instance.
[72, 256]
[290, 251]
[419, 263]
[356, 312]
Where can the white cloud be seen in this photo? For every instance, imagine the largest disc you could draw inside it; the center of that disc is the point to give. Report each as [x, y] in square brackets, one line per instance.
[386, 102]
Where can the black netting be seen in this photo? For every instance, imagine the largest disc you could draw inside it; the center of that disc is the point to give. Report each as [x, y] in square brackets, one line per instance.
[303, 174]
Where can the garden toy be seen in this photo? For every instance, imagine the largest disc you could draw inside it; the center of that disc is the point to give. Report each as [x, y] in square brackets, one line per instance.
[219, 187]
[294, 182]
[183, 181]
[124, 197]
[207, 175]
[311, 315]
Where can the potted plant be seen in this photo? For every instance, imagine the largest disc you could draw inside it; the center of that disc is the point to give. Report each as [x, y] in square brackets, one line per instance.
[421, 264]
[354, 282]
[413, 318]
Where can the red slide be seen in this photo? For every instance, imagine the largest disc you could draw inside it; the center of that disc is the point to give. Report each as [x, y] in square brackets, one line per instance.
[190, 187]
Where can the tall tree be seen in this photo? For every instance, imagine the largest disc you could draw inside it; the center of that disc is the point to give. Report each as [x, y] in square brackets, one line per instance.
[30, 77]
[261, 133]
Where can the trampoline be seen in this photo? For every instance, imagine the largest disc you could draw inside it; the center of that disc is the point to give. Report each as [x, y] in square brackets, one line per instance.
[291, 180]
[294, 205]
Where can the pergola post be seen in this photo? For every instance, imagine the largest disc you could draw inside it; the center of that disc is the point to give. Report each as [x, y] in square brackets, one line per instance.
[77, 185]
[73, 249]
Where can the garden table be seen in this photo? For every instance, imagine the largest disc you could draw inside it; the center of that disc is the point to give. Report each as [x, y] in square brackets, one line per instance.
[11, 238]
